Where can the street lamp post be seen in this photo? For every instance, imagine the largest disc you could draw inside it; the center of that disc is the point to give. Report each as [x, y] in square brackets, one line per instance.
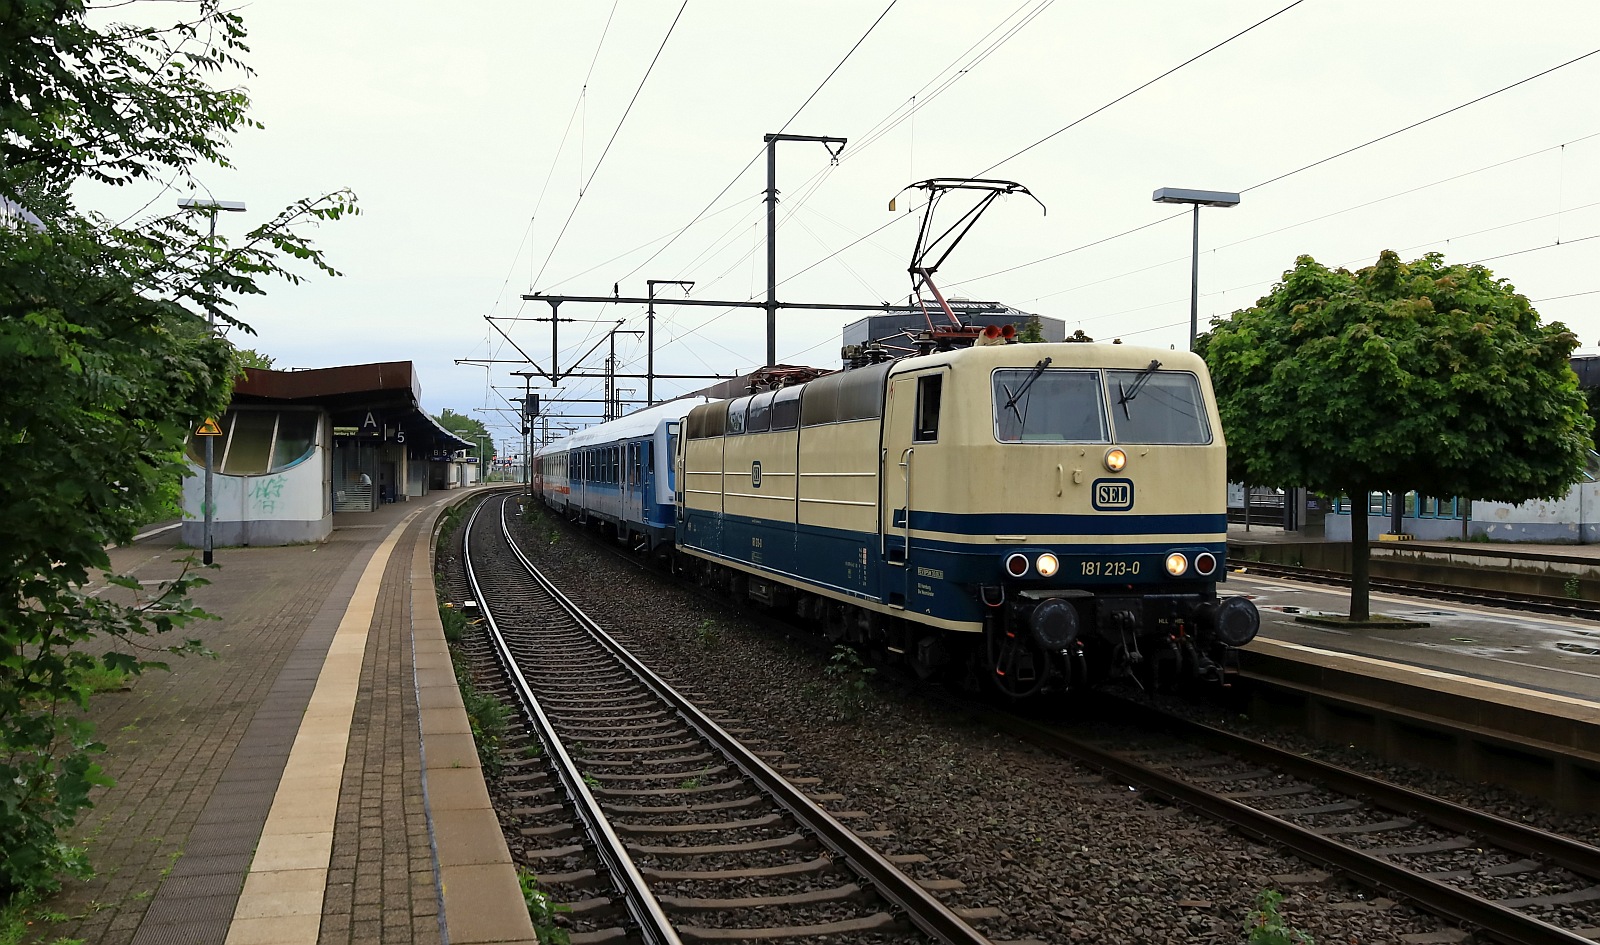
[1197, 199]
[211, 208]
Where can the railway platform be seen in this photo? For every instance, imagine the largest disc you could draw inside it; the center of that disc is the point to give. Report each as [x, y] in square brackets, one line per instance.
[1490, 693]
[316, 782]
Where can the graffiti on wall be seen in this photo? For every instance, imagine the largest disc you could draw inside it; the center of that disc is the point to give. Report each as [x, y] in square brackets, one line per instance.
[265, 494]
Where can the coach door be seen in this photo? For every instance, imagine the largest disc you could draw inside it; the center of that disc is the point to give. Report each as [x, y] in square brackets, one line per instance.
[910, 446]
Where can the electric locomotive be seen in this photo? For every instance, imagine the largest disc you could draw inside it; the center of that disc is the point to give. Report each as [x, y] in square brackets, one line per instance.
[1047, 515]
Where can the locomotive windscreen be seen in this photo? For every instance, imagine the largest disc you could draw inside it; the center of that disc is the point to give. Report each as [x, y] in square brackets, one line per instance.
[1090, 406]
[1157, 407]
[1049, 406]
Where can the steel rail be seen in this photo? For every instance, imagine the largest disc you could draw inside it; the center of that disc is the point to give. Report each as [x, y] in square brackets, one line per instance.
[1575, 855]
[651, 921]
[920, 907]
[1532, 603]
[1456, 905]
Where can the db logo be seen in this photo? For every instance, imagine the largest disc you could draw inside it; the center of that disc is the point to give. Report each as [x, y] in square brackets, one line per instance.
[1112, 495]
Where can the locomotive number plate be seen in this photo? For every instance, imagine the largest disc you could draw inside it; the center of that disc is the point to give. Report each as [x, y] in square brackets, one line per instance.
[1116, 567]
[1112, 495]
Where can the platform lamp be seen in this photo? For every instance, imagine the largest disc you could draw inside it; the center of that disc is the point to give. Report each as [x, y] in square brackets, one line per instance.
[1197, 199]
[210, 208]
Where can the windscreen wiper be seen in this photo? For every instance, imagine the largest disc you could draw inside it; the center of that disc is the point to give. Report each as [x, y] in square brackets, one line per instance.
[1038, 371]
[1125, 396]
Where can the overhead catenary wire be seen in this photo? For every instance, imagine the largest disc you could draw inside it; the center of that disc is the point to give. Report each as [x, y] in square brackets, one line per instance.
[812, 184]
[1418, 124]
[1346, 263]
[1140, 88]
[1306, 167]
[808, 188]
[757, 156]
[1316, 219]
[611, 141]
[1067, 127]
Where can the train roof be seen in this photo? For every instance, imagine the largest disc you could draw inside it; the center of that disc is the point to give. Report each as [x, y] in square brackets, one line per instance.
[637, 424]
[1061, 354]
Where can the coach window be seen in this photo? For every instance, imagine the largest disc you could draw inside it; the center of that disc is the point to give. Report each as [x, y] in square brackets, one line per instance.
[930, 387]
[786, 408]
[760, 419]
[736, 415]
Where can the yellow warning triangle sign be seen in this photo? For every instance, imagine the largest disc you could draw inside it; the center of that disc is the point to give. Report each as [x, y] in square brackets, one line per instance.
[209, 428]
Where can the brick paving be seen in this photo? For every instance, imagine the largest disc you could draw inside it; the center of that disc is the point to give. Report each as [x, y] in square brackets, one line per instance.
[381, 885]
[197, 753]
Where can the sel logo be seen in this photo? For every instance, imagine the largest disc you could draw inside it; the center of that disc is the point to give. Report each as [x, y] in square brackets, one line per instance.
[755, 474]
[1112, 495]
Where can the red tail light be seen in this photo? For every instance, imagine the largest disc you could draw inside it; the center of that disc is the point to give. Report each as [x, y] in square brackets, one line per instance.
[1205, 562]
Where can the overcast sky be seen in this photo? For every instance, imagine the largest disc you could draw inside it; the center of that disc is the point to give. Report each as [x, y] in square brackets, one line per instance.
[466, 130]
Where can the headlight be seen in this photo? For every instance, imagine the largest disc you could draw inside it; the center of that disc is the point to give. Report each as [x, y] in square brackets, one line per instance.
[1017, 565]
[1047, 565]
[1116, 459]
[1177, 564]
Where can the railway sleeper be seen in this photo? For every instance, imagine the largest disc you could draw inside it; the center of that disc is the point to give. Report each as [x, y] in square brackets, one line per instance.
[846, 893]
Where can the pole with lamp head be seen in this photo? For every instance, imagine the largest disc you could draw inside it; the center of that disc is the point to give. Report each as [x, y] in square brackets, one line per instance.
[1197, 199]
[210, 430]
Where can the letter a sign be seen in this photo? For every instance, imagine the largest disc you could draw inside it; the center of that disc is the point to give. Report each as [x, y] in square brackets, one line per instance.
[209, 428]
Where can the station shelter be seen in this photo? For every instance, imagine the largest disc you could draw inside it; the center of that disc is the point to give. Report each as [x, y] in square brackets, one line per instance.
[294, 447]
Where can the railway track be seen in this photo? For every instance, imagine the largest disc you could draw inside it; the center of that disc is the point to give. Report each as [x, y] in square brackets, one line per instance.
[1556, 606]
[1507, 881]
[651, 819]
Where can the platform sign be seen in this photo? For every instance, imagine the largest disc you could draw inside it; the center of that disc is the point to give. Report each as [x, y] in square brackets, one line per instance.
[209, 428]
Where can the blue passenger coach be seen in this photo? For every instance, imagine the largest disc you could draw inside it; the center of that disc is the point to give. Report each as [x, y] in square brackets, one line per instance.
[619, 474]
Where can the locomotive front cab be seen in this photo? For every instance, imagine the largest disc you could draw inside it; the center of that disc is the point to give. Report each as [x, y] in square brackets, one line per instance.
[1122, 451]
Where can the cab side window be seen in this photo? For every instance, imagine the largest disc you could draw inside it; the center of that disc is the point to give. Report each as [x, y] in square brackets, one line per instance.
[930, 389]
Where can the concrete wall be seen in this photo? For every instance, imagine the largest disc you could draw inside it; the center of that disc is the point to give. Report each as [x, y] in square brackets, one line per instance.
[1337, 527]
[1570, 518]
[273, 509]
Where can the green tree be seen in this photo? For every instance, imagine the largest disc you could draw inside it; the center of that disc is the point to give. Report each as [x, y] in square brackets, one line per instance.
[470, 429]
[1401, 376]
[110, 359]
[1032, 331]
[251, 358]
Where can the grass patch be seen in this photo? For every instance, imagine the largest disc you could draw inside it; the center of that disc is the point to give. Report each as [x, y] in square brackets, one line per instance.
[849, 683]
[455, 622]
[542, 909]
[21, 919]
[486, 714]
[97, 679]
[1267, 926]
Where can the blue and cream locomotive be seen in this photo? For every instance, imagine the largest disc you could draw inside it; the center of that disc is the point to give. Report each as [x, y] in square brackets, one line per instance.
[1045, 515]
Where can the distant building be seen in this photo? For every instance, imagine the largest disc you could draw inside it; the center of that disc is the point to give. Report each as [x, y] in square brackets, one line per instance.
[294, 447]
